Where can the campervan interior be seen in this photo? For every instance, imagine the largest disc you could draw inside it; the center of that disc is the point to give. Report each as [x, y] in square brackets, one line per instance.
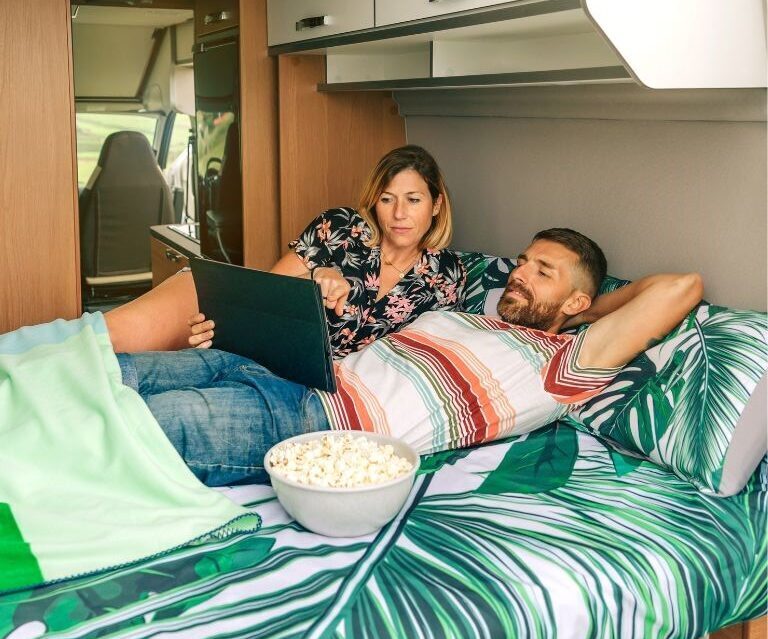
[139, 134]
[134, 103]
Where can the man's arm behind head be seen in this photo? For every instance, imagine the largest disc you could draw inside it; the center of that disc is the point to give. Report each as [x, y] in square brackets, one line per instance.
[632, 319]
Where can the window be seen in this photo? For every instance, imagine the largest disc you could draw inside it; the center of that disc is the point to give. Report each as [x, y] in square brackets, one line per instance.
[93, 129]
[182, 129]
[179, 171]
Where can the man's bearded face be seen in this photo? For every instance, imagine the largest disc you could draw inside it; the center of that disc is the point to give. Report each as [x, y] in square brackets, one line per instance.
[525, 312]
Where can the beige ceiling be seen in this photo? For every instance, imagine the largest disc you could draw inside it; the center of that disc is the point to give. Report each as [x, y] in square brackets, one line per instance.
[130, 16]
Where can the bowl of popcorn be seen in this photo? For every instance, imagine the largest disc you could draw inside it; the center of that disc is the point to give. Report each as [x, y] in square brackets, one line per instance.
[342, 483]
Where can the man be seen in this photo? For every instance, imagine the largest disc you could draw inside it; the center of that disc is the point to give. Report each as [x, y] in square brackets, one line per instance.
[447, 380]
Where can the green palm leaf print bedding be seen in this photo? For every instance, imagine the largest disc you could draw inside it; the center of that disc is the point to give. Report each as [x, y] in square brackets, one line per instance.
[547, 535]
[679, 402]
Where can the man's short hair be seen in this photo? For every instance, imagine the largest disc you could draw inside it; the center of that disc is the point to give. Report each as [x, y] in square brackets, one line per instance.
[591, 257]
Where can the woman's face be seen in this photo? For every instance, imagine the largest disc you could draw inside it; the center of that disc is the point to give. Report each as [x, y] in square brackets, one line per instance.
[404, 211]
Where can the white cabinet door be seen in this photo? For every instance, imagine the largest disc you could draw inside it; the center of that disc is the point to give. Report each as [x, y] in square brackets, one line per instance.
[393, 11]
[293, 20]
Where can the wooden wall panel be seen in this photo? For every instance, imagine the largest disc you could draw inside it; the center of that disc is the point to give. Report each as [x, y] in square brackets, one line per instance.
[731, 632]
[329, 142]
[755, 629]
[258, 103]
[39, 261]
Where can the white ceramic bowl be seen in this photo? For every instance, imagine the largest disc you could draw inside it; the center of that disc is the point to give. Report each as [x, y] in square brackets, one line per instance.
[344, 512]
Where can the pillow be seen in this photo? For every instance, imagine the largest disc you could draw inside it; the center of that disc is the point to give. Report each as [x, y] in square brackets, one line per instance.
[694, 403]
[485, 274]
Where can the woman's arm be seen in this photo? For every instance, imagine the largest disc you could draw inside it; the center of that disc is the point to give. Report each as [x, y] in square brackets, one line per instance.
[334, 288]
[290, 264]
[315, 248]
[168, 317]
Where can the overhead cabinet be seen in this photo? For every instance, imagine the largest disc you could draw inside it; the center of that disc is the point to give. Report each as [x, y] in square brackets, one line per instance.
[403, 44]
[297, 20]
[394, 11]
[537, 46]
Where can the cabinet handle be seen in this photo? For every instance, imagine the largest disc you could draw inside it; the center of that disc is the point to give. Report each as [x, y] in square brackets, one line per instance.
[311, 23]
[172, 256]
[217, 16]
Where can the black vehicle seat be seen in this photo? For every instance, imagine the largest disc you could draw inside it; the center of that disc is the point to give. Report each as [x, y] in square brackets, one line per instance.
[125, 195]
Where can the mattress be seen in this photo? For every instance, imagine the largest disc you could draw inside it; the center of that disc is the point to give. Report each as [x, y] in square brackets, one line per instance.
[546, 535]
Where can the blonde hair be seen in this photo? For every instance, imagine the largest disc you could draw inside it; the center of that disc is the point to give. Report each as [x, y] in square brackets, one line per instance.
[417, 159]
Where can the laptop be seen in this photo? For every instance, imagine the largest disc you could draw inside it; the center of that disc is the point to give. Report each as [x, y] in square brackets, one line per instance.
[275, 320]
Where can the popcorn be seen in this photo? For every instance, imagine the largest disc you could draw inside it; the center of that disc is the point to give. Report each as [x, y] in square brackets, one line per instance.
[339, 461]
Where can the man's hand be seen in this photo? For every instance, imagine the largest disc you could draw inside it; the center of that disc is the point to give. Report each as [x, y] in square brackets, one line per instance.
[634, 317]
[335, 289]
[202, 331]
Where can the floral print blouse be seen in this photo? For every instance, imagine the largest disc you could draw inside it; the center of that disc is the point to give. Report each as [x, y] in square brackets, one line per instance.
[337, 238]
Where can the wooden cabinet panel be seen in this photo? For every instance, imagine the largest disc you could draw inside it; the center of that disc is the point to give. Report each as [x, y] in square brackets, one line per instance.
[39, 258]
[166, 261]
[215, 15]
[329, 142]
[259, 139]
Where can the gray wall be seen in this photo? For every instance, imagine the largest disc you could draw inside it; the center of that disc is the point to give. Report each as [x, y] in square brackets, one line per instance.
[662, 180]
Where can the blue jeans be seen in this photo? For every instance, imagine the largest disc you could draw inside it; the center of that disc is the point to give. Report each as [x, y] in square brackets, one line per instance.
[221, 411]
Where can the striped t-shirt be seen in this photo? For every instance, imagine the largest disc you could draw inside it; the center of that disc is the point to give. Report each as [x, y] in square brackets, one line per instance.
[451, 380]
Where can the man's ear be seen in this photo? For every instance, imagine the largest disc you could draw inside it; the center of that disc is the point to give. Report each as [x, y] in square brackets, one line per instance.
[577, 302]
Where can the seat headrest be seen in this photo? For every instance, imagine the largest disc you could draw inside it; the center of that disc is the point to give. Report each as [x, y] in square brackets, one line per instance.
[126, 153]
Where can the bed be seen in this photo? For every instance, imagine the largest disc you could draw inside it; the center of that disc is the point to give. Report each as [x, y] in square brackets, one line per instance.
[575, 530]
[548, 535]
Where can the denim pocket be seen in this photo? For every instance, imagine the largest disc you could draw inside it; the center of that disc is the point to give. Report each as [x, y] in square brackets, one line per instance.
[314, 418]
[223, 475]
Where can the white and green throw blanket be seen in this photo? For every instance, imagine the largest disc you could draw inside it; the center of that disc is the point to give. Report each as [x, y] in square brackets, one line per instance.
[88, 481]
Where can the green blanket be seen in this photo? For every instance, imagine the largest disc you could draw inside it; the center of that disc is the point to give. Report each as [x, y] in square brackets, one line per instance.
[88, 481]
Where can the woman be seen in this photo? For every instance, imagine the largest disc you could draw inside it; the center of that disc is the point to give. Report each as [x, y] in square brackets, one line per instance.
[378, 267]
[382, 266]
